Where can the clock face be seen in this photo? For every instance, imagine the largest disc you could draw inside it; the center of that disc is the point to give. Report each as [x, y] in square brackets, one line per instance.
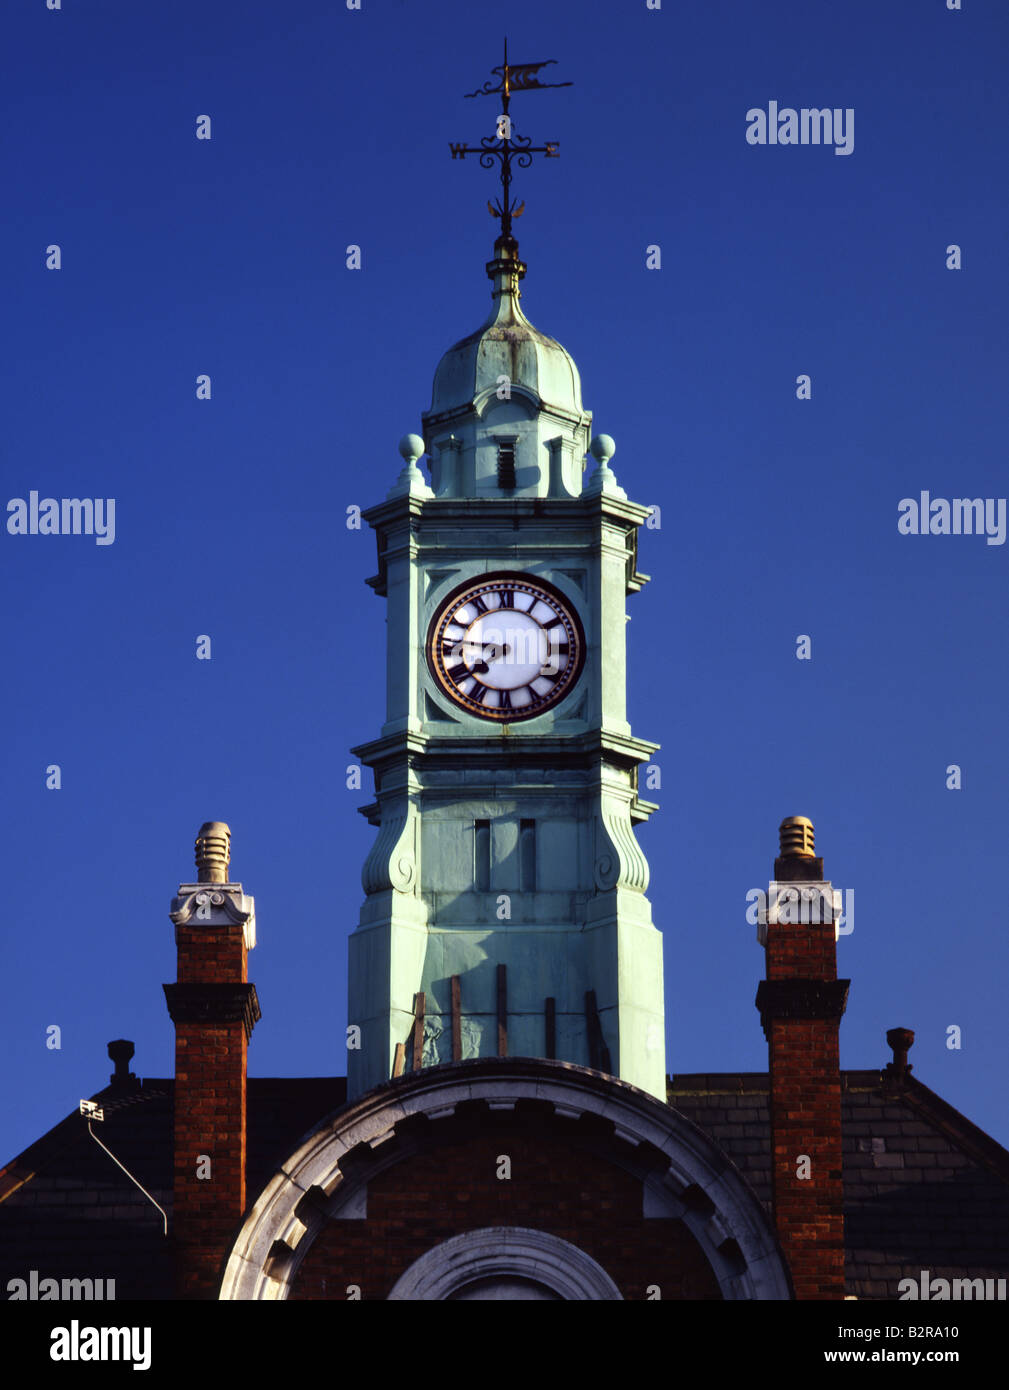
[505, 647]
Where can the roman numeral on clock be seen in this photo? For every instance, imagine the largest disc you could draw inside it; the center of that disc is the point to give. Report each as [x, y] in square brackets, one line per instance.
[478, 692]
[458, 673]
[552, 623]
[479, 605]
[507, 598]
[505, 700]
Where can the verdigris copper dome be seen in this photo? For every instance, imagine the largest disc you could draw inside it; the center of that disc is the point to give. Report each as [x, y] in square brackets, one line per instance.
[506, 345]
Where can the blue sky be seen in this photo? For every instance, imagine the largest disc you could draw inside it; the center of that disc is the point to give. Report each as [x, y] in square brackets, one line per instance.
[779, 516]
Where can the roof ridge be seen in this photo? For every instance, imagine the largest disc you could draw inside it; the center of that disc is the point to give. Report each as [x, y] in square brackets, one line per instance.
[956, 1126]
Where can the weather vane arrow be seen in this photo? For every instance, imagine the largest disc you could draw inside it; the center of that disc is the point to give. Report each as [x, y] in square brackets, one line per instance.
[506, 145]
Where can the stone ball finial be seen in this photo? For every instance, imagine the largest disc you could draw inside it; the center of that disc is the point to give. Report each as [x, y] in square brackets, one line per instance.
[602, 448]
[796, 838]
[213, 852]
[411, 447]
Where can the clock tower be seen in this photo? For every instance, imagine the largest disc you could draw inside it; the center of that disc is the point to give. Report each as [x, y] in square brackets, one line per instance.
[505, 910]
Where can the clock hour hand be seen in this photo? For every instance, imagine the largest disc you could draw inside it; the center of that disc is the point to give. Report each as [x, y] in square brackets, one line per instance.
[491, 652]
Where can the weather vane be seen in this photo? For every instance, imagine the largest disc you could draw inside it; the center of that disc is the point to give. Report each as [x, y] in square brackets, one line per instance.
[505, 145]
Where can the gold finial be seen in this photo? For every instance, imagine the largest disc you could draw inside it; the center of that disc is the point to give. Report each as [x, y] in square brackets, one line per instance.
[796, 837]
[213, 852]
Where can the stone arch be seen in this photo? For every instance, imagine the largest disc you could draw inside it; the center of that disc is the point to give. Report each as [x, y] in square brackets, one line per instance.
[684, 1174]
[505, 1253]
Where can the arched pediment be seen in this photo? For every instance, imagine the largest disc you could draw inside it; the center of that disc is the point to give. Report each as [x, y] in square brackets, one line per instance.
[491, 406]
[683, 1174]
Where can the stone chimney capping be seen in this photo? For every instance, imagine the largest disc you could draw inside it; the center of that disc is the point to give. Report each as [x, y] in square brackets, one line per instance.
[796, 865]
[221, 905]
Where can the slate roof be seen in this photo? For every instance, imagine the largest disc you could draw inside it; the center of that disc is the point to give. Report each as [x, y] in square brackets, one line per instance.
[924, 1188]
[67, 1211]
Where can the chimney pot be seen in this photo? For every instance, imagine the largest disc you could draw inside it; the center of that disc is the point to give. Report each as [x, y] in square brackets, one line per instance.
[900, 1040]
[213, 852]
[796, 838]
[121, 1051]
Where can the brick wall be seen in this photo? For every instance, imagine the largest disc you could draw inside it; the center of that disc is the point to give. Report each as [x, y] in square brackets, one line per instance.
[806, 1120]
[556, 1186]
[211, 954]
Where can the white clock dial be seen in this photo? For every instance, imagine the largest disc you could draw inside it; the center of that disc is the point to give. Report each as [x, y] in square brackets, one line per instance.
[505, 647]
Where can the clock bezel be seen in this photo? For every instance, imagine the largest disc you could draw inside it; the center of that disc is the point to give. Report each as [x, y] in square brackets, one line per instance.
[448, 688]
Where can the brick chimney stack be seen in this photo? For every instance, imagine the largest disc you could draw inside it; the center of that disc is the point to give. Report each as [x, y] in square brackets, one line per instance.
[801, 1001]
[214, 1010]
